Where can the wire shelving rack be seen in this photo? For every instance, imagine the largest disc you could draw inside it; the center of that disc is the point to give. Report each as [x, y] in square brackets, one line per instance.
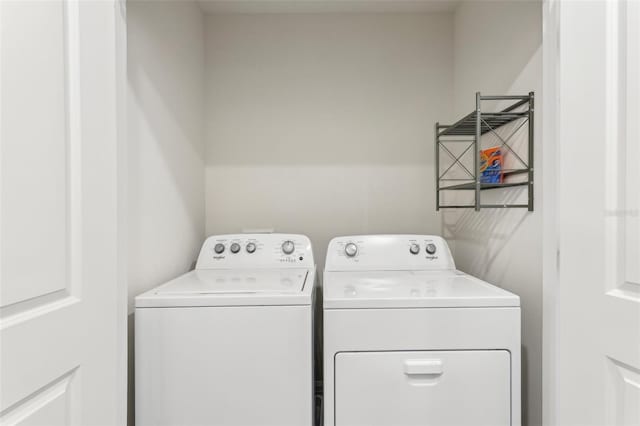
[469, 130]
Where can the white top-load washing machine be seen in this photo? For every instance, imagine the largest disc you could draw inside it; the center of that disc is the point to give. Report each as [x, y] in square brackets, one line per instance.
[231, 342]
[409, 340]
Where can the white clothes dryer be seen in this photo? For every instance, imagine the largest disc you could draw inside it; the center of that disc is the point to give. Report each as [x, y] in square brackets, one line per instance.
[409, 340]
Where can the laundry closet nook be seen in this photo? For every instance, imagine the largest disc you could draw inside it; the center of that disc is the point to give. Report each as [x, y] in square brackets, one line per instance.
[317, 117]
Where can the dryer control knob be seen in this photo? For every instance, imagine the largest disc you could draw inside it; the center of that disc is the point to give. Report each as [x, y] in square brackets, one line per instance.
[431, 248]
[414, 248]
[288, 247]
[351, 249]
[251, 247]
[235, 247]
[218, 248]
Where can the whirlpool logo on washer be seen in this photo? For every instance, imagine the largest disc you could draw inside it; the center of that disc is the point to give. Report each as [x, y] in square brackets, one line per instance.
[219, 257]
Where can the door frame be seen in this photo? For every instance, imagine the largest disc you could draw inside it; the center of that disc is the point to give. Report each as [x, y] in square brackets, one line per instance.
[120, 33]
[550, 246]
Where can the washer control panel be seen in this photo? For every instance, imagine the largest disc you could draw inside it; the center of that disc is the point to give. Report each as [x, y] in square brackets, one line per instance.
[256, 251]
[388, 252]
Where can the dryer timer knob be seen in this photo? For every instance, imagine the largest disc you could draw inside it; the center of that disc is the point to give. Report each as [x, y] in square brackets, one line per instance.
[288, 247]
[351, 249]
[431, 248]
[251, 247]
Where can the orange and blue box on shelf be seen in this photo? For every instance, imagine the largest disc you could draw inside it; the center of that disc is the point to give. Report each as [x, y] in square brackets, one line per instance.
[491, 165]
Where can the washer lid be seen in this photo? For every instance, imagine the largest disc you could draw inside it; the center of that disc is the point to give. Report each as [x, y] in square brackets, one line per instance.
[231, 287]
[411, 289]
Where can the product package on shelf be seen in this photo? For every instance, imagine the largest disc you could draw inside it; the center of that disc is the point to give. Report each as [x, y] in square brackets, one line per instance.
[491, 165]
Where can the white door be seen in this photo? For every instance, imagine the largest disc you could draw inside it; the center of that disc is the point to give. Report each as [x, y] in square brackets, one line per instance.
[62, 318]
[597, 323]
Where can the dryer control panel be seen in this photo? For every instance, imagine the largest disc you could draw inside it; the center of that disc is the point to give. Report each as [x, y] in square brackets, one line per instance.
[256, 251]
[388, 253]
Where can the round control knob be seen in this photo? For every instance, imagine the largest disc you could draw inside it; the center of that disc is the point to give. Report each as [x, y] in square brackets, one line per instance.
[430, 248]
[218, 248]
[251, 247]
[414, 248]
[288, 247]
[351, 249]
[235, 247]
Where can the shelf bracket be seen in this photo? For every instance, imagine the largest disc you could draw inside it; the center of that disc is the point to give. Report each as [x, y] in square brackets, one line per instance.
[478, 149]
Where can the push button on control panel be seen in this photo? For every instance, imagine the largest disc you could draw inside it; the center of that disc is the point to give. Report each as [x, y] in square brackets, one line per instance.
[431, 248]
[235, 247]
[219, 248]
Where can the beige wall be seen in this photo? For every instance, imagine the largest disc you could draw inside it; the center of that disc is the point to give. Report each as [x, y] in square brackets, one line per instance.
[323, 123]
[497, 50]
[166, 140]
[165, 144]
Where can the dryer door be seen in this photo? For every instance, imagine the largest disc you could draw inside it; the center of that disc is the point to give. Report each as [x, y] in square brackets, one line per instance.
[426, 388]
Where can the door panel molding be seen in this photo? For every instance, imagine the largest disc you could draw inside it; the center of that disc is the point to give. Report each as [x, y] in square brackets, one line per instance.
[51, 404]
[31, 309]
[631, 205]
[43, 293]
[621, 150]
[624, 394]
